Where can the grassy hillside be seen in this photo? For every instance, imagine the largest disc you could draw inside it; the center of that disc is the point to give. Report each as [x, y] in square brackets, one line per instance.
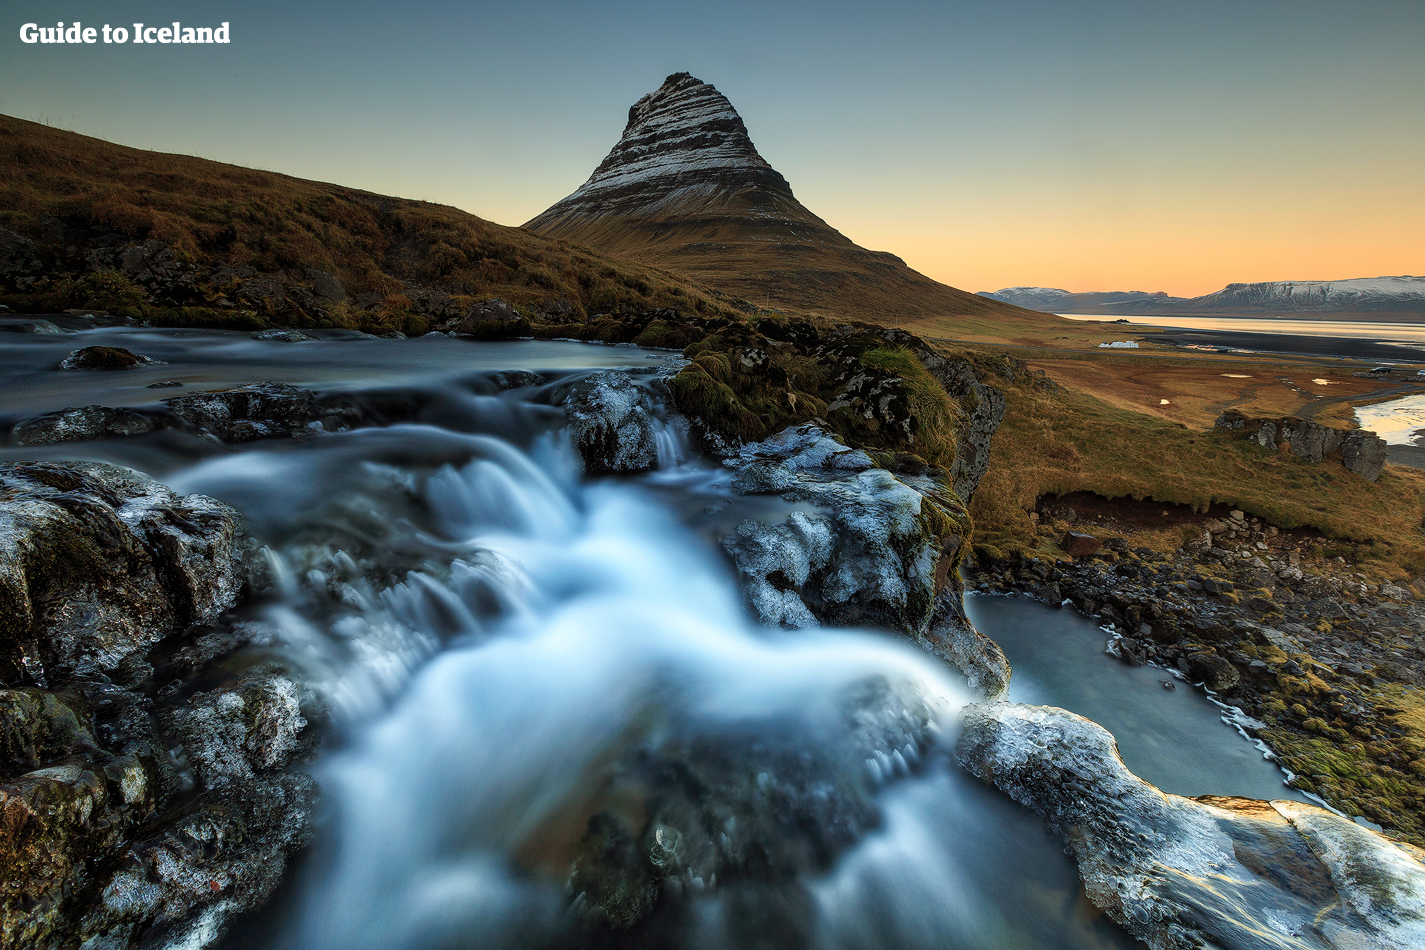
[779, 255]
[73, 194]
[1059, 441]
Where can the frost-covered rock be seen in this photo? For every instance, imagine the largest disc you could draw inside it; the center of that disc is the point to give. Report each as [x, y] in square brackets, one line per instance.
[237, 731]
[1180, 873]
[875, 549]
[245, 413]
[223, 853]
[283, 336]
[610, 419]
[98, 562]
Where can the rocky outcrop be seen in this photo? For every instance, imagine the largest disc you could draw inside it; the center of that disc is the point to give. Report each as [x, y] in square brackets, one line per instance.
[979, 409]
[877, 549]
[97, 563]
[1180, 873]
[700, 811]
[1361, 452]
[130, 820]
[241, 414]
[610, 421]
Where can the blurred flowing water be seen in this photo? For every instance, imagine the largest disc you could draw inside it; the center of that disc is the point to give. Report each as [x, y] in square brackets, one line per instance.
[508, 653]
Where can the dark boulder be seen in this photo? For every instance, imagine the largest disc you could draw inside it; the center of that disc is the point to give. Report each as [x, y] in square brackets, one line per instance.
[103, 357]
[1078, 544]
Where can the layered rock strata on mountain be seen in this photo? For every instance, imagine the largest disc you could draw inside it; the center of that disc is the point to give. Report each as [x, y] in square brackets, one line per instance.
[1361, 451]
[684, 149]
[1177, 873]
[127, 819]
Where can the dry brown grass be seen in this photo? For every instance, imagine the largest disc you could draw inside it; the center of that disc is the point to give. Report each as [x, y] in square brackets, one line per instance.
[215, 214]
[784, 258]
[1198, 390]
[1058, 443]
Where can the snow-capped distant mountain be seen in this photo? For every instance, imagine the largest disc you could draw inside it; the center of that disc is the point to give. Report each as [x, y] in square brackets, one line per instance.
[1357, 295]
[1052, 298]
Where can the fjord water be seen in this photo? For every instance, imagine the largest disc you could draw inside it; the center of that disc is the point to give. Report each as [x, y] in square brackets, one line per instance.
[498, 643]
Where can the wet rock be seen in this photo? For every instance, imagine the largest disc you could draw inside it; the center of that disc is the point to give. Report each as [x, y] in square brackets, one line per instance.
[97, 563]
[284, 336]
[165, 384]
[876, 551]
[235, 732]
[610, 420]
[103, 357]
[1210, 872]
[43, 327]
[222, 854]
[698, 811]
[81, 424]
[254, 411]
[953, 638]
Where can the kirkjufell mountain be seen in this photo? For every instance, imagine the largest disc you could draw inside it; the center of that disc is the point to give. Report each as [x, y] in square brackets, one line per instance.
[686, 189]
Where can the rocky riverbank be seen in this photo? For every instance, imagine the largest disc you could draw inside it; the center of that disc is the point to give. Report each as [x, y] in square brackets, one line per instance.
[136, 809]
[1327, 666]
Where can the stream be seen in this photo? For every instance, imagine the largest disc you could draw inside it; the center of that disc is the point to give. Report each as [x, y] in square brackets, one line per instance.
[506, 657]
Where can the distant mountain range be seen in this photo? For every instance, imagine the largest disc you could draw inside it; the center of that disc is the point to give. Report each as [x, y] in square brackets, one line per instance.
[1358, 295]
[685, 189]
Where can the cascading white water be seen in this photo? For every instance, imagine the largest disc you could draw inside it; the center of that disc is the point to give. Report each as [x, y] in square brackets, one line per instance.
[458, 814]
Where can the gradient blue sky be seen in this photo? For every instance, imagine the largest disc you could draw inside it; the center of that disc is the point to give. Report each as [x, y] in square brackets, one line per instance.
[1095, 145]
